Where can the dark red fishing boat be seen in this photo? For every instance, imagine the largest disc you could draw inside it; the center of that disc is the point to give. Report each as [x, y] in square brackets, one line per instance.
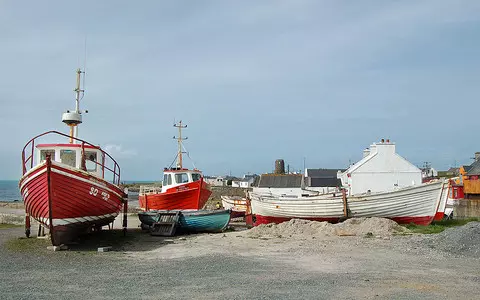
[70, 188]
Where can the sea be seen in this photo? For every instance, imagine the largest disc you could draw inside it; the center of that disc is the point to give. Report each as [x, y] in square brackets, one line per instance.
[9, 191]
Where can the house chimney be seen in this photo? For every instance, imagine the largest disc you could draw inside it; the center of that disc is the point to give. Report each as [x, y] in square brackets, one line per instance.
[279, 166]
[477, 156]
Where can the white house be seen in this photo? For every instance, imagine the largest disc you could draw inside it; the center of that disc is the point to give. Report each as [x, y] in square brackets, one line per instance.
[240, 183]
[215, 181]
[380, 170]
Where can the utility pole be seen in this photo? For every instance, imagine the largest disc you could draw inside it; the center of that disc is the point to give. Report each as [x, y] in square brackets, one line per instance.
[180, 139]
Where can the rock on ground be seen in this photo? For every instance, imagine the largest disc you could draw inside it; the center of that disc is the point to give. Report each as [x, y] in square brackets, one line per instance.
[463, 240]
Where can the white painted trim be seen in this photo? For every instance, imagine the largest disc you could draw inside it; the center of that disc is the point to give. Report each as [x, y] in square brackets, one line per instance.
[67, 221]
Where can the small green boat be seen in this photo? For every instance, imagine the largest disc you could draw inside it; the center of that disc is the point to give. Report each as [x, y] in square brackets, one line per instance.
[190, 221]
[204, 220]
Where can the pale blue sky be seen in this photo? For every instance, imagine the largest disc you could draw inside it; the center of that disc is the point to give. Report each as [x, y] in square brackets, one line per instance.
[254, 80]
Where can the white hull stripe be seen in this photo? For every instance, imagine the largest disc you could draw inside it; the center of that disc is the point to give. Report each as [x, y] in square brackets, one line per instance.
[67, 221]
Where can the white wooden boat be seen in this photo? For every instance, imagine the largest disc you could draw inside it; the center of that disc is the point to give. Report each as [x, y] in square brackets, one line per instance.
[236, 204]
[416, 204]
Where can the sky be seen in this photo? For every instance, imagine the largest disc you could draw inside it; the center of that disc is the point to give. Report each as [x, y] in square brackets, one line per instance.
[303, 80]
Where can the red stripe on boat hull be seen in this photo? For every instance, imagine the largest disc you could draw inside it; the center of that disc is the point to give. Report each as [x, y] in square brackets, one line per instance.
[237, 214]
[439, 216]
[78, 200]
[426, 220]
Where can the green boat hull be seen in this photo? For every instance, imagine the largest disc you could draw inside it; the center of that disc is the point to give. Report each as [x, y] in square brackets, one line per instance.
[192, 221]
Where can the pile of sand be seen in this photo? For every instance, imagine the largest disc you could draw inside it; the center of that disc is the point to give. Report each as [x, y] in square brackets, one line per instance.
[307, 229]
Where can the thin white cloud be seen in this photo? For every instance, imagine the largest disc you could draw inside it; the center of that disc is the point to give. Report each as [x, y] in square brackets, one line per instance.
[119, 151]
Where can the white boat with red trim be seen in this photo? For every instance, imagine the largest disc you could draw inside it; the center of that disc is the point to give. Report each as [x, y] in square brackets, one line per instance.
[416, 204]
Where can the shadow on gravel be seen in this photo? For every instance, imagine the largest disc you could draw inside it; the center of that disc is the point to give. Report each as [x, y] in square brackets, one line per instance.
[13, 240]
[133, 240]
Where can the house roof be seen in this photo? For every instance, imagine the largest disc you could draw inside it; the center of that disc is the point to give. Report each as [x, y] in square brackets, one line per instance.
[455, 170]
[280, 181]
[474, 168]
[323, 173]
[325, 182]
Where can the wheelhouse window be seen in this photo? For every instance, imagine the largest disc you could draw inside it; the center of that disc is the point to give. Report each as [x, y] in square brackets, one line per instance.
[181, 178]
[165, 179]
[169, 181]
[68, 157]
[196, 176]
[45, 153]
[91, 161]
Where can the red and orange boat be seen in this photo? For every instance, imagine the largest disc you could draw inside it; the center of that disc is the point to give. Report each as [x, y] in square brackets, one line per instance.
[182, 189]
[69, 188]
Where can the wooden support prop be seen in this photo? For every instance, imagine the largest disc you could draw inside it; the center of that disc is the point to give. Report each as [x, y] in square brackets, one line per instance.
[125, 210]
[345, 205]
[27, 225]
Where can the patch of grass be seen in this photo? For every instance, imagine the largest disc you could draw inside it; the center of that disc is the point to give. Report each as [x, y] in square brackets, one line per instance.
[455, 222]
[439, 226]
[5, 226]
[24, 244]
[430, 229]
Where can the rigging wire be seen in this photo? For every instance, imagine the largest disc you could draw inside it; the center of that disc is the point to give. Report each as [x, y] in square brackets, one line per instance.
[84, 67]
[175, 159]
[188, 154]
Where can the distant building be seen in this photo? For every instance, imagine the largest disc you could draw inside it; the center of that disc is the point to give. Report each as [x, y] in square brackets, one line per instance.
[323, 180]
[246, 182]
[380, 170]
[453, 172]
[470, 176]
[280, 184]
[215, 181]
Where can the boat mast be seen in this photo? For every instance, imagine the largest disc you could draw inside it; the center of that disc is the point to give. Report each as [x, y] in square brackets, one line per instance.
[180, 139]
[73, 119]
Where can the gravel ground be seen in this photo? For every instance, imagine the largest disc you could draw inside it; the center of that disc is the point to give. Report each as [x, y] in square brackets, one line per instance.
[457, 241]
[235, 265]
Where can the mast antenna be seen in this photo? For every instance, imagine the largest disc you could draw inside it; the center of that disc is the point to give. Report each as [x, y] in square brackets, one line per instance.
[74, 118]
[180, 139]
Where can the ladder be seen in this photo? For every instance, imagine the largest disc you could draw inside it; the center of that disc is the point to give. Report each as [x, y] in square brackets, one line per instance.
[166, 224]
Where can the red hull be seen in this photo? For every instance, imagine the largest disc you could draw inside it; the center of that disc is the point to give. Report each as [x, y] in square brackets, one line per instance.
[68, 201]
[192, 195]
[400, 220]
[237, 214]
[439, 216]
